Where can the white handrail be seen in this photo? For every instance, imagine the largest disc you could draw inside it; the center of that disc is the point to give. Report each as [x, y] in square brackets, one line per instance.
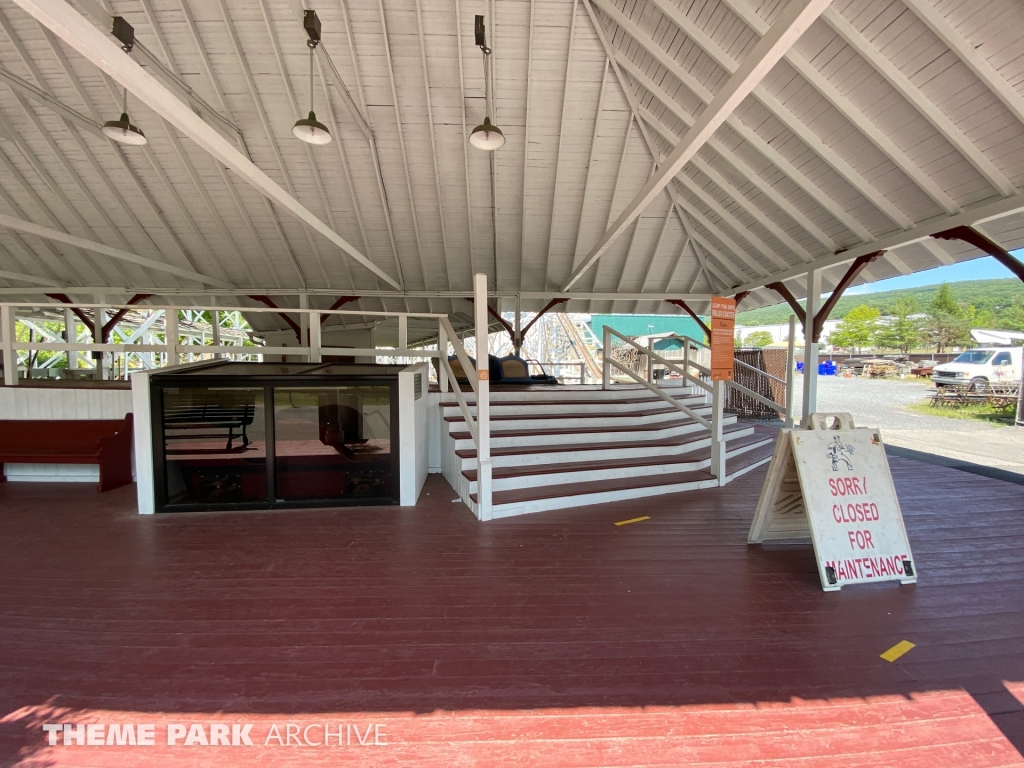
[460, 352]
[667, 363]
[611, 362]
[661, 393]
[461, 400]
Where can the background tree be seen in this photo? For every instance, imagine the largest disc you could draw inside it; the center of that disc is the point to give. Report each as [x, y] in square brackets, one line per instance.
[901, 328]
[757, 339]
[857, 329]
[948, 325]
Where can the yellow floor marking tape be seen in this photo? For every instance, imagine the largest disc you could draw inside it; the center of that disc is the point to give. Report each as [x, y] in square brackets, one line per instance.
[634, 520]
[897, 650]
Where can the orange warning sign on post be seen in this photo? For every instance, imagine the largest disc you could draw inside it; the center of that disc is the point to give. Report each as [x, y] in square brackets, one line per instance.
[723, 324]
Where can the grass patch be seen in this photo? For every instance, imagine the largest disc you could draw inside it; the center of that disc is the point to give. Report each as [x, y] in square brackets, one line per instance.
[987, 413]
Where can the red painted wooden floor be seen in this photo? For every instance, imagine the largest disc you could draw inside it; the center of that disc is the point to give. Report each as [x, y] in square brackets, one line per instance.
[555, 639]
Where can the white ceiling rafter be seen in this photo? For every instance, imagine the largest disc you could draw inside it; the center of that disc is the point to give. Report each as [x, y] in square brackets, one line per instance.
[871, 131]
[314, 169]
[735, 122]
[76, 31]
[561, 137]
[433, 140]
[72, 130]
[652, 146]
[972, 56]
[754, 140]
[272, 141]
[526, 144]
[919, 101]
[759, 200]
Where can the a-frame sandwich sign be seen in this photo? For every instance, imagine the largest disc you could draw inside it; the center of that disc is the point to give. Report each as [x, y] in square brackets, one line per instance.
[832, 483]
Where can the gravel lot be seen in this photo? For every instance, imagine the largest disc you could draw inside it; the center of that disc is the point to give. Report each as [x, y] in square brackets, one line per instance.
[884, 404]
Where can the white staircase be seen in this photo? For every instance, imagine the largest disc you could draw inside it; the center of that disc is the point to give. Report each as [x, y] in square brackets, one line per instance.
[559, 447]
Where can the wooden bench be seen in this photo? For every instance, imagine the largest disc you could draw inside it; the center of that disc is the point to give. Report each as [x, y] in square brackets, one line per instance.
[107, 443]
[209, 421]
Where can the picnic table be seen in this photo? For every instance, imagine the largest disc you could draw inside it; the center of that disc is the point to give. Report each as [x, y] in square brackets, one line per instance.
[997, 395]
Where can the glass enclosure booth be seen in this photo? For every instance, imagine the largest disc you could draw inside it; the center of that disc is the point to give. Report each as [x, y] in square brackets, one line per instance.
[230, 435]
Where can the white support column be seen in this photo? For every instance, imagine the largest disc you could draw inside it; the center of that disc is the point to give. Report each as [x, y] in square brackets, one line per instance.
[518, 345]
[403, 331]
[442, 354]
[304, 320]
[71, 336]
[811, 347]
[483, 420]
[717, 434]
[606, 358]
[314, 338]
[686, 362]
[10, 355]
[99, 319]
[650, 361]
[171, 335]
[215, 326]
[790, 372]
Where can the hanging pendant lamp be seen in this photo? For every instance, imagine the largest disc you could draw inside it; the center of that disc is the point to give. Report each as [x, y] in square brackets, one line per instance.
[311, 130]
[487, 137]
[122, 131]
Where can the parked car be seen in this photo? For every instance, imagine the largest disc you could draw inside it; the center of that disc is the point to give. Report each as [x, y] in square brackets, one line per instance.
[978, 368]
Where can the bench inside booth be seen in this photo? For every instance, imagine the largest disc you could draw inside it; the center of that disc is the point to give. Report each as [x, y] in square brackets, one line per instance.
[106, 442]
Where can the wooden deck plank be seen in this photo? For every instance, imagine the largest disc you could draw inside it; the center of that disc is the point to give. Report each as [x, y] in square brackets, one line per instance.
[555, 639]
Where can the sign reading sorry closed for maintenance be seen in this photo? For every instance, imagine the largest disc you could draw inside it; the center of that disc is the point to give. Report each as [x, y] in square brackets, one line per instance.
[833, 483]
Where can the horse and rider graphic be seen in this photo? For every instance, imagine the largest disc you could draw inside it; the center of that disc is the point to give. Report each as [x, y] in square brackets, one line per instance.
[838, 451]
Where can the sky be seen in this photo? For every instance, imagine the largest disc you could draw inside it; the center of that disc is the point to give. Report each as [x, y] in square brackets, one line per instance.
[985, 268]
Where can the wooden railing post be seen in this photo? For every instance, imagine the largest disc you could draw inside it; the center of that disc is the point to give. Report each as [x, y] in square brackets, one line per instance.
[442, 354]
[215, 328]
[483, 421]
[650, 361]
[315, 343]
[606, 357]
[10, 353]
[686, 361]
[790, 372]
[717, 436]
[171, 335]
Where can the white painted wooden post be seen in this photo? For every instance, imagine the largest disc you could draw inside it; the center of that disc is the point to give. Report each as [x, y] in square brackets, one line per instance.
[215, 325]
[303, 320]
[403, 331]
[171, 335]
[686, 362]
[650, 361]
[71, 336]
[10, 354]
[99, 319]
[442, 354]
[811, 347]
[790, 372]
[606, 357]
[315, 344]
[717, 436]
[518, 341]
[483, 420]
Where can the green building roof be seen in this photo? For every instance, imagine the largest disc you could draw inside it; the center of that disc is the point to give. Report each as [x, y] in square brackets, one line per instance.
[645, 325]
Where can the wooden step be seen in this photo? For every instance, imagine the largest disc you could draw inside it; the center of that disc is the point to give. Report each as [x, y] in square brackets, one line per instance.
[643, 461]
[666, 442]
[733, 466]
[697, 403]
[596, 429]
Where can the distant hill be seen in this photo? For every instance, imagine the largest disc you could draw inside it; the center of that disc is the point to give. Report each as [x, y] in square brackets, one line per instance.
[991, 295]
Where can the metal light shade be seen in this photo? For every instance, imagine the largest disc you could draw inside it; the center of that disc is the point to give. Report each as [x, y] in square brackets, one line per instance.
[311, 131]
[487, 137]
[123, 132]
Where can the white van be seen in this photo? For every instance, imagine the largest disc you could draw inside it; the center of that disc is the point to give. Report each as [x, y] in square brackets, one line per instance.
[981, 367]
